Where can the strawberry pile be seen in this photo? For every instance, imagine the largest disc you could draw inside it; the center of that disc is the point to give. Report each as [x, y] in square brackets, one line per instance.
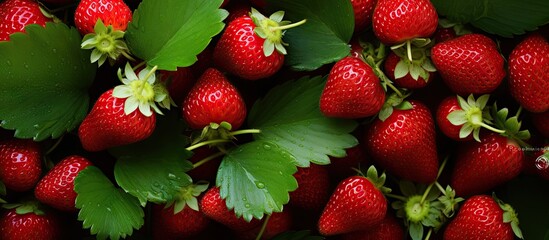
[264, 119]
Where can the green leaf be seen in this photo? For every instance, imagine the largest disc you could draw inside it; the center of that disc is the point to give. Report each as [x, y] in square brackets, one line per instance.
[323, 38]
[170, 33]
[502, 17]
[107, 210]
[255, 178]
[402, 69]
[154, 169]
[289, 116]
[416, 231]
[45, 81]
[297, 235]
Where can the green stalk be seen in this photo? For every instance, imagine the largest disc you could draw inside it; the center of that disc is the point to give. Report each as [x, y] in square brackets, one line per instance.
[263, 227]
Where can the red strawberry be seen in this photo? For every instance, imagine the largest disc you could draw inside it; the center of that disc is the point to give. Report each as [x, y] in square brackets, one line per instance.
[16, 224]
[363, 10]
[179, 82]
[443, 34]
[538, 162]
[16, 14]
[251, 47]
[279, 222]
[482, 217]
[541, 122]
[406, 81]
[356, 204]
[124, 114]
[447, 106]
[56, 189]
[224, 3]
[404, 144]
[469, 64]
[20, 164]
[352, 90]
[529, 73]
[389, 229]
[215, 208]
[107, 125]
[314, 188]
[112, 12]
[342, 168]
[167, 225]
[398, 21]
[481, 166]
[213, 99]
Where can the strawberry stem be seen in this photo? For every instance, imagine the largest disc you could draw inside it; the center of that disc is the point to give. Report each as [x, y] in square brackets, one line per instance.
[244, 131]
[54, 146]
[139, 65]
[442, 165]
[263, 227]
[493, 129]
[284, 27]
[200, 144]
[207, 159]
[409, 50]
[429, 234]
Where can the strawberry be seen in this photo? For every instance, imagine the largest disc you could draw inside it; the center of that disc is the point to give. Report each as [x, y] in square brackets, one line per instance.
[407, 81]
[115, 119]
[352, 90]
[398, 21]
[404, 144]
[214, 207]
[443, 34]
[537, 163]
[20, 164]
[16, 14]
[541, 122]
[484, 217]
[28, 222]
[447, 106]
[178, 82]
[481, 166]
[237, 10]
[341, 168]
[213, 99]
[56, 189]
[113, 13]
[170, 225]
[363, 10]
[389, 229]
[278, 222]
[356, 204]
[314, 186]
[251, 47]
[529, 73]
[469, 64]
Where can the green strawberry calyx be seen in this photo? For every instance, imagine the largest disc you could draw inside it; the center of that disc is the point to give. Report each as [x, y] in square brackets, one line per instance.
[509, 216]
[106, 43]
[473, 116]
[511, 125]
[377, 180]
[141, 91]
[272, 29]
[187, 196]
[420, 64]
[25, 207]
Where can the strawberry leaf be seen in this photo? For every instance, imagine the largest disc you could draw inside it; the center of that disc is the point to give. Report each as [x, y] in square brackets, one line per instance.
[153, 170]
[170, 33]
[255, 178]
[329, 23]
[101, 204]
[289, 116]
[496, 17]
[45, 81]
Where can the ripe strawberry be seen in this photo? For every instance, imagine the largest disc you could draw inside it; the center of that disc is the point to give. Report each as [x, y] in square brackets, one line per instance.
[247, 47]
[352, 90]
[214, 207]
[20, 164]
[398, 21]
[279, 222]
[112, 12]
[481, 166]
[18, 224]
[16, 14]
[469, 64]
[404, 144]
[529, 73]
[537, 163]
[363, 10]
[342, 168]
[56, 189]
[447, 106]
[213, 99]
[178, 82]
[167, 225]
[356, 204]
[389, 229]
[314, 188]
[443, 34]
[406, 81]
[541, 122]
[107, 125]
[483, 217]
[123, 115]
